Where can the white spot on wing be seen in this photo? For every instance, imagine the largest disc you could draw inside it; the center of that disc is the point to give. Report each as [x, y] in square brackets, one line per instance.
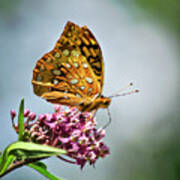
[82, 87]
[68, 65]
[76, 65]
[56, 72]
[55, 81]
[74, 81]
[85, 65]
[89, 80]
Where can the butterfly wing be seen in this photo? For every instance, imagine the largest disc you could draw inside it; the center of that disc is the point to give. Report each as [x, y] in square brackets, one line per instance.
[65, 75]
[82, 39]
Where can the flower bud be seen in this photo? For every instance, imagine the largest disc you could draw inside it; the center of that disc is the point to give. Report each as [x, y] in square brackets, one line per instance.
[26, 112]
[32, 116]
[13, 114]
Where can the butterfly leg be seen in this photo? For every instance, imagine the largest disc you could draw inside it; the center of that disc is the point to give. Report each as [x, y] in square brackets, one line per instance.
[109, 121]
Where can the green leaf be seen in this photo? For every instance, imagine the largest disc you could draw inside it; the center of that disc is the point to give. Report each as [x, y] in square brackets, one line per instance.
[21, 120]
[26, 150]
[41, 164]
[5, 160]
[43, 171]
[32, 150]
[1, 157]
[6, 164]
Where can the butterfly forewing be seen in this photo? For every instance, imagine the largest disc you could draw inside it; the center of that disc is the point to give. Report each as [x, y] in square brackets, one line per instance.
[81, 39]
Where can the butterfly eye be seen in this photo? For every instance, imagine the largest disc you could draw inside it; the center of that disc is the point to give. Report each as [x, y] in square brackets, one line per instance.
[106, 103]
[81, 104]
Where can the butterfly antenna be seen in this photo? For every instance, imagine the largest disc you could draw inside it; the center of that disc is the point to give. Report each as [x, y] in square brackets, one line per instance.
[125, 94]
[117, 94]
[109, 121]
[123, 89]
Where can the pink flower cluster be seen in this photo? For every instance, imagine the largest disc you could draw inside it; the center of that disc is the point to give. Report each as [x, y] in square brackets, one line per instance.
[71, 130]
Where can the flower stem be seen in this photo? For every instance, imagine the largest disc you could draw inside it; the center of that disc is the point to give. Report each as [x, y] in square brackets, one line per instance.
[19, 164]
[66, 160]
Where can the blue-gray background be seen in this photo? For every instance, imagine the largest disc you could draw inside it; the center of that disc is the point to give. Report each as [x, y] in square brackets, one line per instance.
[140, 44]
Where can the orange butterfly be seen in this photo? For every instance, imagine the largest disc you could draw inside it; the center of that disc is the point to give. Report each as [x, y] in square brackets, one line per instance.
[72, 73]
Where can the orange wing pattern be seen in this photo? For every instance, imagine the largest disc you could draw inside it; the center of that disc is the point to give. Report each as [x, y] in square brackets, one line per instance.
[73, 70]
[83, 41]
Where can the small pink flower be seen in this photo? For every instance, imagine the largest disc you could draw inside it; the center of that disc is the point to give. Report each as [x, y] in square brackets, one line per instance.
[64, 140]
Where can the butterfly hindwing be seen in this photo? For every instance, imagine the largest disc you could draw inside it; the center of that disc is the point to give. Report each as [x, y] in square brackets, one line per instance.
[72, 74]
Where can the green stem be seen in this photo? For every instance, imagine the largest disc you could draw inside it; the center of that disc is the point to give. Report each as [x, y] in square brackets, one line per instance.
[19, 164]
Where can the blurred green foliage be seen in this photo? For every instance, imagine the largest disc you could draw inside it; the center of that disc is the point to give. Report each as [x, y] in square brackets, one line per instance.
[166, 11]
[7, 7]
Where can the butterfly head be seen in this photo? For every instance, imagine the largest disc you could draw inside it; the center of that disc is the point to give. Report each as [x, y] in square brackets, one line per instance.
[103, 102]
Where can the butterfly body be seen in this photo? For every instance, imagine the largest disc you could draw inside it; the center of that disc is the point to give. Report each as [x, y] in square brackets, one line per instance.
[72, 73]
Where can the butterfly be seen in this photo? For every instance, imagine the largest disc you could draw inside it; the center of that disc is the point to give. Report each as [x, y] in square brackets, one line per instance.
[72, 74]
